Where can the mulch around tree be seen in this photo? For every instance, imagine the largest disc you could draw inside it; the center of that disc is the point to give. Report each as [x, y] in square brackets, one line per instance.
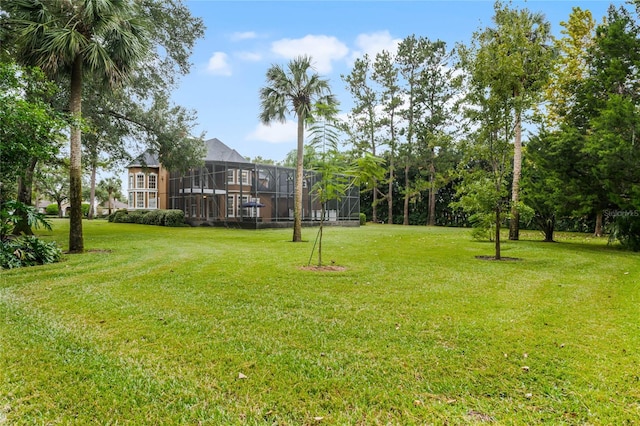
[324, 268]
[502, 258]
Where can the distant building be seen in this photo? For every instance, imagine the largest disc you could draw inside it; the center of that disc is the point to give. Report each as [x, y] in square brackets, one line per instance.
[231, 191]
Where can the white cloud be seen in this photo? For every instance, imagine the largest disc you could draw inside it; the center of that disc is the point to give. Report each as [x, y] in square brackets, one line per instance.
[373, 43]
[245, 35]
[275, 133]
[322, 49]
[248, 56]
[218, 64]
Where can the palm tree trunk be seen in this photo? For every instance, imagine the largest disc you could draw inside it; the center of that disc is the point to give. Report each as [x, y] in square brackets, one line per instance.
[514, 225]
[297, 202]
[76, 241]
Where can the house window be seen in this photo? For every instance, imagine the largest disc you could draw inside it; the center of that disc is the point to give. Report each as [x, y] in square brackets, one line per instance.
[231, 176]
[131, 182]
[140, 200]
[245, 177]
[245, 210]
[139, 181]
[196, 179]
[131, 194]
[153, 200]
[231, 206]
[153, 181]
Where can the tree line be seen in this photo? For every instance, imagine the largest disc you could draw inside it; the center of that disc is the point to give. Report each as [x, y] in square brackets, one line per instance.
[516, 126]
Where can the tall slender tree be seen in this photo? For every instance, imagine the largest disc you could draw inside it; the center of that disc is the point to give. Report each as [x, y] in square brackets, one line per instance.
[105, 39]
[294, 91]
[513, 59]
[364, 121]
[386, 75]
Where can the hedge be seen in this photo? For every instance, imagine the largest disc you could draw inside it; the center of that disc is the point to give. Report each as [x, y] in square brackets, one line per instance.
[153, 217]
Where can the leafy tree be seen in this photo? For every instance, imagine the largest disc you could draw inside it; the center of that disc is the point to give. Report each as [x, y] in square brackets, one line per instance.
[112, 186]
[30, 131]
[113, 42]
[104, 39]
[363, 126]
[484, 171]
[53, 182]
[386, 75]
[331, 164]
[294, 91]
[513, 60]
[569, 69]
[438, 88]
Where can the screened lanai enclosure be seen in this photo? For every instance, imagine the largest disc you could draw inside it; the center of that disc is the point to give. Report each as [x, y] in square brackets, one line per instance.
[242, 194]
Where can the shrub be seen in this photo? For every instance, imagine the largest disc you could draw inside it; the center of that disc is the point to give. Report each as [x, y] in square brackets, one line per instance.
[25, 250]
[118, 216]
[363, 219]
[28, 250]
[626, 229]
[154, 217]
[174, 218]
[52, 210]
[85, 209]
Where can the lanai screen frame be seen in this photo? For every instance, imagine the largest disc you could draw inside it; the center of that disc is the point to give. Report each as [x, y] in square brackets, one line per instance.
[205, 195]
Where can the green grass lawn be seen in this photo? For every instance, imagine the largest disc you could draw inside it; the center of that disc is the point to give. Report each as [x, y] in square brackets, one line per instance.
[213, 326]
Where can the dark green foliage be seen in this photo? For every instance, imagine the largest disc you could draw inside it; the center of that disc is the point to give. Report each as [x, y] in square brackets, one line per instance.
[52, 210]
[363, 219]
[174, 218]
[153, 217]
[28, 250]
[13, 213]
[85, 209]
[626, 229]
[24, 250]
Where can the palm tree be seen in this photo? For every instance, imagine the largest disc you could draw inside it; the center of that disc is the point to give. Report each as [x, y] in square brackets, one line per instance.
[294, 91]
[71, 39]
[111, 185]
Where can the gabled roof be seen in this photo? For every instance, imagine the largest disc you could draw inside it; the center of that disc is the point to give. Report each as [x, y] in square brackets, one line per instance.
[218, 151]
[146, 159]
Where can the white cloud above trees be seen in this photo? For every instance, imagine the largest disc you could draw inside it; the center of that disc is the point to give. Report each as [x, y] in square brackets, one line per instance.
[324, 50]
[275, 133]
[218, 64]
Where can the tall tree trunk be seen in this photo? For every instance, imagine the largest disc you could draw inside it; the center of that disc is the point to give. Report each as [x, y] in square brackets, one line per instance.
[25, 183]
[405, 210]
[432, 193]
[514, 225]
[374, 202]
[549, 227]
[76, 240]
[110, 200]
[390, 193]
[498, 256]
[599, 225]
[297, 202]
[92, 196]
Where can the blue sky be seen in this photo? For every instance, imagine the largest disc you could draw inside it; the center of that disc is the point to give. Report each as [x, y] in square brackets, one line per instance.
[243, 38]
